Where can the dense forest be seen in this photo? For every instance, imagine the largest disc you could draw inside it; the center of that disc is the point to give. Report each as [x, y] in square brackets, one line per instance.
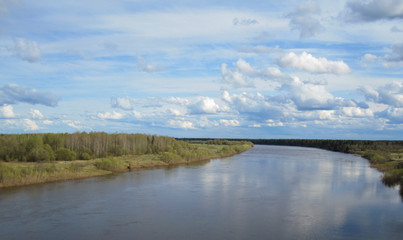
[80, 145]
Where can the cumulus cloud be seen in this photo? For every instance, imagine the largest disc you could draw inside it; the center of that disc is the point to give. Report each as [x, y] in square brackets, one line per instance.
[73, 124]
[390, 94]
[372, 10]
[236, 77]
[29, 125]
[370, 58]
[110, 115]
[243, 74]
[304, 19]
[244, 22]
[308, 96]
[204, 105]
[307, 62]
[255, 106]
[12, 93]
[6, 111]
[356, 112]
[27, 50]
[125, 103]
[36, 114]
[181, 124]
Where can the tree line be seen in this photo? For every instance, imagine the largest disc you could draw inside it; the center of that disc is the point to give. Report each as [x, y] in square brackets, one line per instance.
[79, 145]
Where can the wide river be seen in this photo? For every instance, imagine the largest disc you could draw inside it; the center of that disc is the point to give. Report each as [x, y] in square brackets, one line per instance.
[268, 192]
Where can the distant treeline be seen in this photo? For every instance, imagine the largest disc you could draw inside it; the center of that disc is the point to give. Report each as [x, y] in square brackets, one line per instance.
[80, 145]
[346, 146]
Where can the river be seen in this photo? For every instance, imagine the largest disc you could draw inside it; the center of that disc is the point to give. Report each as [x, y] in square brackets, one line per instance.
[268, 192]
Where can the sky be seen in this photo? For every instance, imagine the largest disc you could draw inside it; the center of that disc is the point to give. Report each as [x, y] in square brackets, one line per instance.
[216, 69]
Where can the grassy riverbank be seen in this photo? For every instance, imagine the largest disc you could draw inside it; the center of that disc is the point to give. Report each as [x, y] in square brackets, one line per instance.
[179, 152]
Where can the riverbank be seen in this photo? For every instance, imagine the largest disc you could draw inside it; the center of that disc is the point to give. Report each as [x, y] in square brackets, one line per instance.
[25, 173]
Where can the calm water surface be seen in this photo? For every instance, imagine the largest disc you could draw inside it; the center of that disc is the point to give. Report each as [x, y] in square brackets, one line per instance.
[268, 192]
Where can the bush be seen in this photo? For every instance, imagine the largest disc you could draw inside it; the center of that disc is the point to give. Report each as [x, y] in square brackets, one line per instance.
[169, 157]
[38, 154]
[65, 154]
[109, 164]
[374, 157]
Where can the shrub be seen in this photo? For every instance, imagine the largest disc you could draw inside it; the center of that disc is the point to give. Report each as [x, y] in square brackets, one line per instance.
[169, 157]
[65, 154]
[37, 154]
[109, 164]
[374, 157]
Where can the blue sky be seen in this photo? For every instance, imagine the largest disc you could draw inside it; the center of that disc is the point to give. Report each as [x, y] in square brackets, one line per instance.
[234, 69]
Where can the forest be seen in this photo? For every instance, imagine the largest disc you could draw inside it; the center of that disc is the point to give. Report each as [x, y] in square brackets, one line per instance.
[78, 146]
[38, 158]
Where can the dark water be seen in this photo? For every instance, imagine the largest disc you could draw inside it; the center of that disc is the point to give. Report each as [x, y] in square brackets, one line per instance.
[269, 192]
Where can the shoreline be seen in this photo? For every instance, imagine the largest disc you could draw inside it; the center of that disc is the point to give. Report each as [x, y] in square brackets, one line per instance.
[19, 174]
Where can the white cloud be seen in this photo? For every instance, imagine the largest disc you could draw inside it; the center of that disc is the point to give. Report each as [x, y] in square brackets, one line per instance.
[6, 111]
[236, 77]
[110, 115]
[229, 123]
[204, 105]
[273, 123]
[27, 50]
[357, 112]
[36, 114]
[122, 103]
[243, 74]
[307, 62]
[316, 115]
[372, 10]
[137, 115]
[29, 125]
[255, 106]
[175, 112]
[73, 124]
[370, 58]
[181, 124]
[309, 96]
[48, 122]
